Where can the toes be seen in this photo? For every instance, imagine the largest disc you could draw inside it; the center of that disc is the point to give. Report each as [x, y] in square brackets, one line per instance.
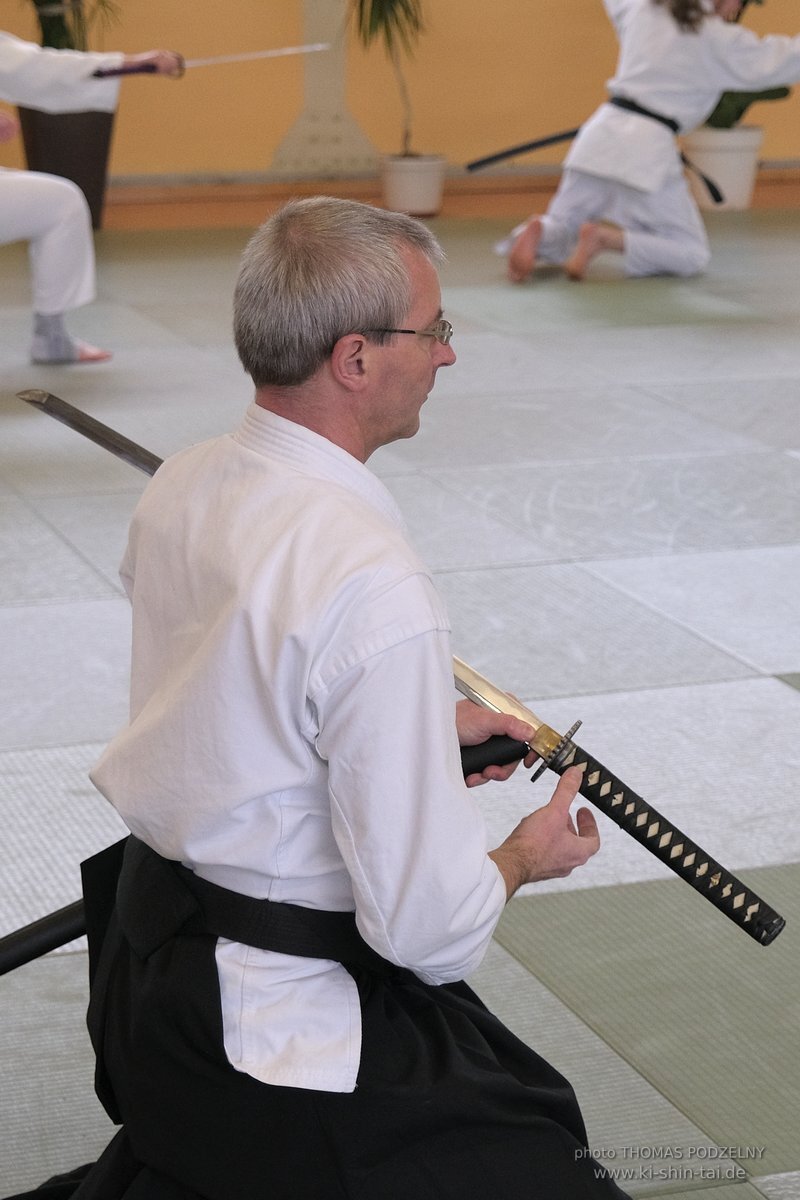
[89, 354]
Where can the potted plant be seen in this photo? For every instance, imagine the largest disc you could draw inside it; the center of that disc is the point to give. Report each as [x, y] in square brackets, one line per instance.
[73, 145]
[412, 182]
[65, 25]
[725, 150]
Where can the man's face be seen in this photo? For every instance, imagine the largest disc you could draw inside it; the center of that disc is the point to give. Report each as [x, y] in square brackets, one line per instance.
[408, 363]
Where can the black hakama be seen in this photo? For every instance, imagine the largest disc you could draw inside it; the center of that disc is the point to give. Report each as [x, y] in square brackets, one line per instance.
[448, 1104]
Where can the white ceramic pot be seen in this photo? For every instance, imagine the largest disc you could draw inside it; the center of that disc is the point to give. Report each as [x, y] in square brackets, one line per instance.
[729, 157]
[413, 183]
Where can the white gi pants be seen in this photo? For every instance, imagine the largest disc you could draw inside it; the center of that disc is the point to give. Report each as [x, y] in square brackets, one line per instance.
[664, 231]
[51, 214]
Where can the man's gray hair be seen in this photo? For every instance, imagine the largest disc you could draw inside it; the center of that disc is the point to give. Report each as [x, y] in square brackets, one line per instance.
[318, 269]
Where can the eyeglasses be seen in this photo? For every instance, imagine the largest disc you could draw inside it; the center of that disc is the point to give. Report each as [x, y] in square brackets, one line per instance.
[442, 330]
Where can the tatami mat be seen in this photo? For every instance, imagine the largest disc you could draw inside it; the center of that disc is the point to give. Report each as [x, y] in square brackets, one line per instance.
[744, 602]
[607, 487]
[629, 1123]
[53, 818]
[50, 1120]
[780, 1187]
[562, 632]
[74, 661]
[706, 1015]
[698, 502]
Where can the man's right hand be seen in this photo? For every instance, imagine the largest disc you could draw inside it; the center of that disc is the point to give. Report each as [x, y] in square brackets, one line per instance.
[548, 844]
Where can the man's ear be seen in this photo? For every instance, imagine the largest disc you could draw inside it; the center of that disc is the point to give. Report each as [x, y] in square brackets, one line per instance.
[348, 362]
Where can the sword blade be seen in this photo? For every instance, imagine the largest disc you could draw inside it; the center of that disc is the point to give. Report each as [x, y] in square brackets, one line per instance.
[149, 68]
[95, 431]
[482, 691]
[311, 48]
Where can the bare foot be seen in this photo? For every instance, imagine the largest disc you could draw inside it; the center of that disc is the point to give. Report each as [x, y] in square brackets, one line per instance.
[593, 238]
[522, 256]
[62, 350]
[90, 354]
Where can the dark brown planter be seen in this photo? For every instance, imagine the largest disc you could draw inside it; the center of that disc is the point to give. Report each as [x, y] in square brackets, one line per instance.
[73, 145]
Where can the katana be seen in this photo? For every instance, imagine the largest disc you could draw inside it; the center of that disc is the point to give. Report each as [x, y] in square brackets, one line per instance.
[557, 752]
[566, 135]
[614, 798]
[40, 937]
[95, 431]
[552, 139]
[189, 63]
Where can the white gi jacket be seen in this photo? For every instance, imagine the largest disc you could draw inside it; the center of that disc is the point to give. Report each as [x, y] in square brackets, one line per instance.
[292, 731]
[678, 74]
[55, 80]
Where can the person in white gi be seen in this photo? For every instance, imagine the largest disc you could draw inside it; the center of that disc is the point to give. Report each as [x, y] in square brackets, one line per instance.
[623, 186]
[47, 211]
[293, 753]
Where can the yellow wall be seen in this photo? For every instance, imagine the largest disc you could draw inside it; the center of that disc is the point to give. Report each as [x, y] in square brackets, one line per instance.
[484, 76]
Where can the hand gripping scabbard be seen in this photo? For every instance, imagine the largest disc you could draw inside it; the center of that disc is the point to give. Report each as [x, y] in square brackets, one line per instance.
[628, 810]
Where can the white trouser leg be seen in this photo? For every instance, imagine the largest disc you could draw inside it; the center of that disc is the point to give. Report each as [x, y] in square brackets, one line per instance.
[52, 215]
[571, 205]
[665, 233]
[578, 198]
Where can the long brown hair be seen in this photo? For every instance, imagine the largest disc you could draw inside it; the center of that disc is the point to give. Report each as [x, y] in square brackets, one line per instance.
[687, 13]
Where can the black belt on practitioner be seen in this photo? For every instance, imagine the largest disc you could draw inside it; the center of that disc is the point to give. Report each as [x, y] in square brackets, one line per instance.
[632, 106]
[157, 899]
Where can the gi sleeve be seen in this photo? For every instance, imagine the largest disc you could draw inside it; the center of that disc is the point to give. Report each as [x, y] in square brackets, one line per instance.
[55, 80]
[410, 832]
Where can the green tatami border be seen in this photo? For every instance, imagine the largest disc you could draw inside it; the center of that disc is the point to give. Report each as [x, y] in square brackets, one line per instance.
[706, 1015]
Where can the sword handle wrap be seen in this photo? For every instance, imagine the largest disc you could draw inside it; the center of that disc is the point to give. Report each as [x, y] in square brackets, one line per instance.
[134, 69]
[671, 846]
[647, 826]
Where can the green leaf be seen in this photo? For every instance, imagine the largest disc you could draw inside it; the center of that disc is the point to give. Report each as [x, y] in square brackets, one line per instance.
[733, 105]
[396, 21]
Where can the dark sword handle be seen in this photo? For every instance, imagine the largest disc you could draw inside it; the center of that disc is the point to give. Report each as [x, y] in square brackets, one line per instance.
[650, 829]
[134, 69]
[669, 844]
[494, 752]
